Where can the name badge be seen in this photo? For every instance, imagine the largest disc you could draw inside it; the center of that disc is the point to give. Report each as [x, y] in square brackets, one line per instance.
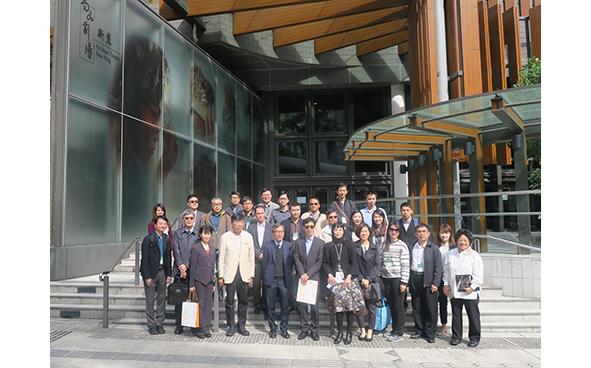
[295, 236]
[343, 219]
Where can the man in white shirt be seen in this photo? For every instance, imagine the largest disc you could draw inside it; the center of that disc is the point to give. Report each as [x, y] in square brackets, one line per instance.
[367, 212]
[261, 232]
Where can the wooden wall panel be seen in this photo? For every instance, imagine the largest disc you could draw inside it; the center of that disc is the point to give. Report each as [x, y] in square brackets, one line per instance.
[535, 26]
[484, 47]
[380, 43]
[497, 47]
[513, 41]
[453, 48]
[470, 53]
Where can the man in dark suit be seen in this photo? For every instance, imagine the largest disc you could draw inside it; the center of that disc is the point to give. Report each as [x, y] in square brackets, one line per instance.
[408, 224]
[155, 268]
[262, 233]
[308, 262]
[278, 270]
[294, 230]
[426, 270]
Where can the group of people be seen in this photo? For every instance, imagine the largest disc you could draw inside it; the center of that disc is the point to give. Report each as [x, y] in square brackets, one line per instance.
[355, 258]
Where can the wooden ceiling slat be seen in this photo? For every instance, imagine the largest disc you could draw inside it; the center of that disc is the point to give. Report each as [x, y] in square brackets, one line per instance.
[392, 146]
[339, 40]
[362, 152]
[450, 129]
[405, 138]
[302, 32]
[403, 48]
[270, 18]
[383, 42]
[379, 158]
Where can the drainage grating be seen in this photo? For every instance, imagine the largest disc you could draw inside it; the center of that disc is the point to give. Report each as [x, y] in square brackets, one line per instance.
[54, 335]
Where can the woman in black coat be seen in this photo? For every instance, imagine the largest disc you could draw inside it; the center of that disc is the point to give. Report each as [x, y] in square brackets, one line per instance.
[202, 279]
[341, 267]
[368, 256]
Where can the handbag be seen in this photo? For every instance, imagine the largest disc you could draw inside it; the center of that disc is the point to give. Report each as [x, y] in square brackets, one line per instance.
[383, 317]
[190, 312]
[374, 292]
[178, 291]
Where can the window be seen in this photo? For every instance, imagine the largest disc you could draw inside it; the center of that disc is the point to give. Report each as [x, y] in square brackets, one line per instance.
[292, 114]
[293, 157]
[329, 113]
[329, 157]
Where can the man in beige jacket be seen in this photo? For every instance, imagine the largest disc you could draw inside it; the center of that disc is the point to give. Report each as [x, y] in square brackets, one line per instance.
[236, 271]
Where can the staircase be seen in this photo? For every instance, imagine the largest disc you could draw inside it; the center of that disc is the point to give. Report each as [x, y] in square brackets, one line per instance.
[83, 298]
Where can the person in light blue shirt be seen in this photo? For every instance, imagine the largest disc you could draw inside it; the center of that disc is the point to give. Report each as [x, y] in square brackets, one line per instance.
[371, 198]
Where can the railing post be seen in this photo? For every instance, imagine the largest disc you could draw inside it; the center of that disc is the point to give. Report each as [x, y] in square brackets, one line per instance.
[106, 301]
[216, 306]
[137, 262]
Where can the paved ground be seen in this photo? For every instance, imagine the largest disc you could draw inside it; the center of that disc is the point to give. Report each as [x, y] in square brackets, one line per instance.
[85, 343]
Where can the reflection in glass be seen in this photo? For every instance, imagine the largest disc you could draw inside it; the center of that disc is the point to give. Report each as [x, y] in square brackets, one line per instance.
[243, 121]
[292, 114]
[141, 177]
[203, 87]
[177, 97]
[92, 179]
[177, 184]
[258, 131]
[330, 158]
[293, 157]
[204, 176]
[368, 106]
[226, 107]
[244, 178]
[226, 176]
[329, 113]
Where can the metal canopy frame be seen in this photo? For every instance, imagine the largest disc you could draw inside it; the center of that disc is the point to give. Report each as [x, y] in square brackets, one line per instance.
[495, 117]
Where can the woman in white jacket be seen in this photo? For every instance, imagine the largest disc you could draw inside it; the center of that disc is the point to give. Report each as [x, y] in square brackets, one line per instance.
[463, 274]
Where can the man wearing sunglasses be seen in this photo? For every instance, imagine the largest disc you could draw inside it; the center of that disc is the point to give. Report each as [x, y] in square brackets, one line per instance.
[314, 213]
[192, 204]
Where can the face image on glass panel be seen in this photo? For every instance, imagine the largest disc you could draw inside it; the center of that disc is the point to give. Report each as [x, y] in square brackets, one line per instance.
[203, 105]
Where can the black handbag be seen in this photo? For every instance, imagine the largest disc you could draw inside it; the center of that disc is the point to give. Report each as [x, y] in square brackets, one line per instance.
[178, 291]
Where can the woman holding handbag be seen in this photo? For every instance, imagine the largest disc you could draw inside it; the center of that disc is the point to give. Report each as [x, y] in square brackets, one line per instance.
[202, 279]
[341, 266]
[394, 273]
[368, 257]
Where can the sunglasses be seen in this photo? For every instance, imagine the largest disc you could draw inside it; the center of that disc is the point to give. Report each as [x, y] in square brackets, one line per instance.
[309, 227]
[393, 230]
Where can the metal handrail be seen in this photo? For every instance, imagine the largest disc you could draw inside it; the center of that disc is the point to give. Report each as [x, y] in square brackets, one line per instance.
[510, 242]
[104, 278]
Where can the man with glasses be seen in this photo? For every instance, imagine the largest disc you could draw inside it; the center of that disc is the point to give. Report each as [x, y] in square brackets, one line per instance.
[193, 204]
[281, 213]
[308, 253]
[262, 234]
[235, 206]
[426, 270]
[249, 217]
[314, 213]
[186, 238]
[268, 205]
[218, 219]
[326, 232]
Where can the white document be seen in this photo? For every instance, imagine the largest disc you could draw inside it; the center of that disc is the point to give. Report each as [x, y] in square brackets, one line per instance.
[307, 293]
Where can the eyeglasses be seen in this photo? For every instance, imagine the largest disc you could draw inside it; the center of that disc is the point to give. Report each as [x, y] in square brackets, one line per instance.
[193, 201]
[393, 230]
[333, 217]
[216, 204]
[309, 227]
[314, 204]
[189, 218]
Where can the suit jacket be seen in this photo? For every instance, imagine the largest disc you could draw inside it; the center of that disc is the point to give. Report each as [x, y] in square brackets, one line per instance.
[180, 224]
[152, 228]
[150, 262]
[309, 264]
[224, 225]
[349, 262]
[289, 234]
[321, 221]
[182, 248]
[267, 237]
[202, 266]
[432, 264]
[369, 263]
[269, 210]
[269, 262]
[230, 259]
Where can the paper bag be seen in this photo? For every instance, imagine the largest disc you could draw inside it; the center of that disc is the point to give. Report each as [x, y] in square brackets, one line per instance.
[190, 312]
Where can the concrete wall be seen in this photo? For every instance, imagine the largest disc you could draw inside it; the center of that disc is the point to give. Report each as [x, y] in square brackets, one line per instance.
[518, 276]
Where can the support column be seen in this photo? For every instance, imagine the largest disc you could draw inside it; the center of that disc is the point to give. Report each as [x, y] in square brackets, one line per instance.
[521, 183]
[477, 186]
[400, 181]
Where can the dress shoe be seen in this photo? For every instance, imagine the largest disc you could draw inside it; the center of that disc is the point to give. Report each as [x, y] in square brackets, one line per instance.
[257, 310]
[200, 336]
[416, 336]
[473, 344]
[242, 331]
[348, 338]
[430, 340]
[284, 334]
[339, 337]
[160, 330]
[208, 335]
[369, 336]
[231, 331]
[273, 334]
[315, 336]
[178, 330]
[454, 342]
[152, 330]
[303, 335]
[362, 335]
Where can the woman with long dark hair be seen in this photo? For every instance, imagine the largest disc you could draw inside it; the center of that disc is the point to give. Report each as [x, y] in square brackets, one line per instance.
[445, 242]
[368, 256]
[379, 227]
[394, 273]
[341, 266]
[160, 210]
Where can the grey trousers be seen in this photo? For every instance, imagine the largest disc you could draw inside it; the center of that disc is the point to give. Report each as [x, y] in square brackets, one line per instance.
[156, 291]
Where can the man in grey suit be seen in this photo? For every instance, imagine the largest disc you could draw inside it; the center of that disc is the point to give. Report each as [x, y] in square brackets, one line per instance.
[308, 253]
[262, 233]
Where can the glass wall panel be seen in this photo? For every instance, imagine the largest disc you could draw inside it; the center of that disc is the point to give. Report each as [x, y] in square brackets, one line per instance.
[330, 158]
[244, 178]
[258, 131]
[141, 177]
[226, 177]
[291, 114]
[368, 106]
[243, 122]
[177, 91]
[177, 175]
[293, 157]
[226, 109]
[92, 196]
[203, 87]
[144, 68]
[204, 176]
[329, 113]
[96, 50]
[258, 182]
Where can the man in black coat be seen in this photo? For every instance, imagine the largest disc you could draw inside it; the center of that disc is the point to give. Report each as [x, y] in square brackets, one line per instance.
[426, 270]
[155, 270]
[408, 224]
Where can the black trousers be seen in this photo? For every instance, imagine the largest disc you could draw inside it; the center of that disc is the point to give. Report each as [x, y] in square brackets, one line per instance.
[396, 301]
[258, 287]
[309, 322]
[240, 288]
[473, 313]
[442, 305]
[424, 306]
